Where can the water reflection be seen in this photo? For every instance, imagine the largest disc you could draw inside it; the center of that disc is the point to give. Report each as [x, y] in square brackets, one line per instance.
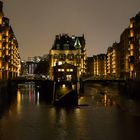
[98, 95]
[97, 118]
[19, 101]
[26, 92]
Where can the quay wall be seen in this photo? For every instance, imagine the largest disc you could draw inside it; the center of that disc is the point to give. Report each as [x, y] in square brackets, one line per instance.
[129, 88]
[6, 90]
[133, 89]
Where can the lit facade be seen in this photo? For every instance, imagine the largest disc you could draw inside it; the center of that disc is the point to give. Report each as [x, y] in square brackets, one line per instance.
[134, 47]
[65, 72]
[70, 50]
[99, 65]
[113, 61]
[124, 54]
[9, 54]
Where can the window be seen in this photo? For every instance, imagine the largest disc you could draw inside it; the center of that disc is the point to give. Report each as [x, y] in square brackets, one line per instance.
[62, 56]
[55, 56]
[68, 77]
[66, 46]
[69, 70]
[61, 70]
[57, 46]
[60, 63]
[70, 56]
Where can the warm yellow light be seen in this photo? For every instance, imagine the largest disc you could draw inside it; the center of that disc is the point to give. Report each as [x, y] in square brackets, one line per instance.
[18, 101]
[7, 33]
[63, 86]
[0, 53]
[131, 46]
[114, 71]
[131, 24]
[73, 87]
[6, 52]
[131, 67]
[6, 66]
[0, 64]
[131, 33]
[0, 45]
[131, 53]
[7, 39]
[0, 37]
[0, 20]
[18, 96]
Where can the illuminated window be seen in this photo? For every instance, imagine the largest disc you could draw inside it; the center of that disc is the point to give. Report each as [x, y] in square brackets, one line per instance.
[0, 37]
[54, 64]
[0, 20]
[7, 39]
[61, 70]
[131, 25]
[60, 63]
[131, 53]
[131, 46]
[6, 52]
[71, 70]
[6, 66]
[131, 68]
[7, 33]
[0, 64]
[69, 77]
[68, 70]
[131, 33]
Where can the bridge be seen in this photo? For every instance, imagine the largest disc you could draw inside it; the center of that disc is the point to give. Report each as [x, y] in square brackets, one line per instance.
[95, 80]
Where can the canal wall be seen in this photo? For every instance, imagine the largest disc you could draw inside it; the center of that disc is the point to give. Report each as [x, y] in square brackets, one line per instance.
[129, 88]
[132, 89]
[6, 95]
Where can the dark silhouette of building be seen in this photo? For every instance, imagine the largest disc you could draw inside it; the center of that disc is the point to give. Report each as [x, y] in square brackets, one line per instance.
[89, 66]
[124, 54]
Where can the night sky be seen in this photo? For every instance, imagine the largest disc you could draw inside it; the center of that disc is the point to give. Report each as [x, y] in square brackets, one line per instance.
[36, 22]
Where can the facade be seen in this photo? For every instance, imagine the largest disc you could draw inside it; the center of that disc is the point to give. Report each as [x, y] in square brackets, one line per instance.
[113, 61]
[69, 50]
[23, 68]
[99, 64]
[134, 47]
[65, 72]
[124, 54]
[9, 54]
[89, 66]
[35, 67]
[32, 64]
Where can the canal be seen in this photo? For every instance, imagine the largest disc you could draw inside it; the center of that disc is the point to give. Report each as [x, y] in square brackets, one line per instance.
[103, 114]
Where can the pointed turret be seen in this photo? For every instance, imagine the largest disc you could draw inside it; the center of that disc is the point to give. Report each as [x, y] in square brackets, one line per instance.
[77, 44]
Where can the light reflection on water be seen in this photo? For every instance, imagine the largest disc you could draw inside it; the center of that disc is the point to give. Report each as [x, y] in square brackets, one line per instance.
[102, 114]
